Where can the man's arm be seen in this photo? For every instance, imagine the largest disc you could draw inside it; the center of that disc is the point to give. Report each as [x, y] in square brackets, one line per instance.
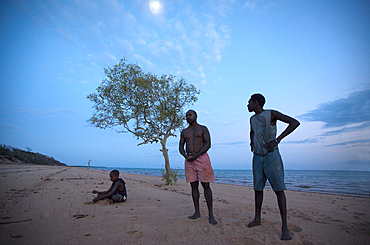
[251, 136]
[293, 124]
[182, 144]
[107, 193]
[206, 145]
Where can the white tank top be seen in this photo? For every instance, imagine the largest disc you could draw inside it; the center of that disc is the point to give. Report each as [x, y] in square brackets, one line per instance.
[263, 131]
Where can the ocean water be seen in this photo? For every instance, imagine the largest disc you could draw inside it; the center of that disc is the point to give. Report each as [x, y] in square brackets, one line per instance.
[351, 183]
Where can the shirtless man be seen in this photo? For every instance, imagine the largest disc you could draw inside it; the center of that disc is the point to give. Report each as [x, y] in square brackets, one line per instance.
[197, 163]
[267, 163]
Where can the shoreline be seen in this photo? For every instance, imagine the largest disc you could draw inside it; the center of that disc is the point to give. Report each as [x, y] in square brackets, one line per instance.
[248, 181]
[37, 201]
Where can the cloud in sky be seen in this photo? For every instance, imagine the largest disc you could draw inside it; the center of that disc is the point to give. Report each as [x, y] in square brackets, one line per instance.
[8, 126]
[48, 112]
[196, 40]
[207, 112]
[362, 162]
[222, 7]
[251, 5]
[305, 141]
[233, 122]
[362, 126]
[258, 6]
[343, 112]
[235, 143]
[351, 142]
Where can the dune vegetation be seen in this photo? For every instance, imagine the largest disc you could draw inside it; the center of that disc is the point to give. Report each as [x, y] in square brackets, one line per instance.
[13, 155]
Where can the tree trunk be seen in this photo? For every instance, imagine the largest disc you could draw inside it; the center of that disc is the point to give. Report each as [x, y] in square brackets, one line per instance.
[167, 176]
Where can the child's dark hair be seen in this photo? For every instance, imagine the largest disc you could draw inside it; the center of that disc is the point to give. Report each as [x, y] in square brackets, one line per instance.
[115, 172]
[259, 98]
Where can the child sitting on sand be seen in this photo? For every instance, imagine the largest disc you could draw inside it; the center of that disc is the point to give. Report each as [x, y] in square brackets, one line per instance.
[117, 191]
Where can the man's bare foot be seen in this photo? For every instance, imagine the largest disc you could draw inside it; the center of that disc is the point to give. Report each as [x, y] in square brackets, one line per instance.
[254, 223]
[285, 235]
[194, 216]
[212, 220]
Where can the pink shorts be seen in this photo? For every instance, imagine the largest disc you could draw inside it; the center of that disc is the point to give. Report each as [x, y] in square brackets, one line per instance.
[199, 170]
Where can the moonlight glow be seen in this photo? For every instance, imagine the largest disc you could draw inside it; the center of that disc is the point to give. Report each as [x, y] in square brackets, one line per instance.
[155, 7]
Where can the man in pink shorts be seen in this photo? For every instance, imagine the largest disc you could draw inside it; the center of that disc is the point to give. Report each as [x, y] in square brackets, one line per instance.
[197, 164]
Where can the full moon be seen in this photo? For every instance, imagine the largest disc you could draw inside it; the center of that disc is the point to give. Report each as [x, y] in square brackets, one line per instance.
[155, 7]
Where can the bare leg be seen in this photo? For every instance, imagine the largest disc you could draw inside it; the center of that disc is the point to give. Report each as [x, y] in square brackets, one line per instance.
[107, 198]
[258, 199]
[195, 194]
[116, 198]
[209, 200]
[283, 213]
[100, 195]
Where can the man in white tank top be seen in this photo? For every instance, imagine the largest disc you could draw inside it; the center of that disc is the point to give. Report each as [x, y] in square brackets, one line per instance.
[267, 163]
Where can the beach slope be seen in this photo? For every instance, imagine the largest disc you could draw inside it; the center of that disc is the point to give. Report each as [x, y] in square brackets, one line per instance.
[52, 205]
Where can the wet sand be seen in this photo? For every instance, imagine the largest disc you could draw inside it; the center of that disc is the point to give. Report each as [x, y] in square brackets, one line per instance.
[52, 205]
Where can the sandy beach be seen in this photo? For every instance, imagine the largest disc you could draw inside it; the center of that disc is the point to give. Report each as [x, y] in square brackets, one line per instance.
[52, 205]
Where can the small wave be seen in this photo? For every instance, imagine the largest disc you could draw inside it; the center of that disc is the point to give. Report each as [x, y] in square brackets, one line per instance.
[304, 186]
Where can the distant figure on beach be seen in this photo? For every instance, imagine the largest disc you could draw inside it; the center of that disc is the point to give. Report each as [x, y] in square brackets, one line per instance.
[117, 191]
[267, 163]
[197, 163]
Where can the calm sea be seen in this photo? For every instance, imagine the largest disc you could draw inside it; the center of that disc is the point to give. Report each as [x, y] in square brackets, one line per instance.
[351, 183]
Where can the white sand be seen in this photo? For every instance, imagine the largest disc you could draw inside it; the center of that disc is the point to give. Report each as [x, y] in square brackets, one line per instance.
[46, 205]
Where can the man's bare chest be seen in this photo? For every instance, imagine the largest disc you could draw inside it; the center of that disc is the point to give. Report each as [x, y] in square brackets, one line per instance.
[193, 134]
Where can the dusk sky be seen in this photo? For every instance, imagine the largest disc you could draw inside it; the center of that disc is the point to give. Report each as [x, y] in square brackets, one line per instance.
[310, 59]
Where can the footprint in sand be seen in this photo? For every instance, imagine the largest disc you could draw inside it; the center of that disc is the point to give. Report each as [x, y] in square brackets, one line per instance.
[80, 216]
[133, 219]
[301, 215]
[187, 233]
[360, 214]
[193, 232]
[306, 218]
[135, 233]
[100, 202]
[206, 229]
[138, 235]
[240, 240]
[338, 220]
[293, 227]
[220, 226]
[234, 224]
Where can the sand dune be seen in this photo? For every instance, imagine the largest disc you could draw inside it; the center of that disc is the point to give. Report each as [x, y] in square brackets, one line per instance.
[52, 205]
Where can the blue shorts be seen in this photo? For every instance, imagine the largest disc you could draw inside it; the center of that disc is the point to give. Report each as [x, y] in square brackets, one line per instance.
[120, 197]
[268, 167]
